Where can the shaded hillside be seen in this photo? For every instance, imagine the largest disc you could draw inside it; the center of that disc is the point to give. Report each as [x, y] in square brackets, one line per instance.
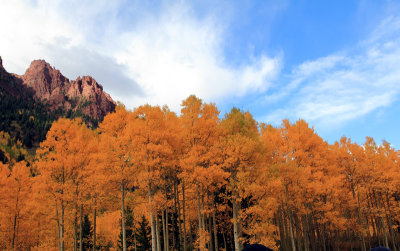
[23, 117]
[31, 102]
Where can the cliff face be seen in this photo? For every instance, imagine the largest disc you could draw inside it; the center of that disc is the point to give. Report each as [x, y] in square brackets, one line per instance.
[30, 103]
[50, 86]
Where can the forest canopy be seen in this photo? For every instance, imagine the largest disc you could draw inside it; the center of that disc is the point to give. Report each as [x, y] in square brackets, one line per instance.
[148, 179]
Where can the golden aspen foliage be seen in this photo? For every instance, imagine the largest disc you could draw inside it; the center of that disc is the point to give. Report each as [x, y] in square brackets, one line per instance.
[149, 179]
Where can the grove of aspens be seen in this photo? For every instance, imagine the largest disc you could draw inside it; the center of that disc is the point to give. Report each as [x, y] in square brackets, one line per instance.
[149, 179]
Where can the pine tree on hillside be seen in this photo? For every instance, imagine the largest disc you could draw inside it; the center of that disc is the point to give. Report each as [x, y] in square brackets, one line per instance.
[143, 233]
[87, 233]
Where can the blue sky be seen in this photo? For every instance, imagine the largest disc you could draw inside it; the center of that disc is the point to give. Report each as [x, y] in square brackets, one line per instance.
[335, 64]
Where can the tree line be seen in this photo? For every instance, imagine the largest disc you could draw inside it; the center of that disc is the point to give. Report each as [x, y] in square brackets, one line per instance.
[147, 179]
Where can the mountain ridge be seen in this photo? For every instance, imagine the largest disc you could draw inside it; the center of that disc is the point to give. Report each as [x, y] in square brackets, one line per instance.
[29, 103]
[51, 86]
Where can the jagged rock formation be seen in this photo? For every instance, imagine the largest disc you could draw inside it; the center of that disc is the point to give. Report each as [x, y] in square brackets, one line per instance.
[83, 94]
[29, 103]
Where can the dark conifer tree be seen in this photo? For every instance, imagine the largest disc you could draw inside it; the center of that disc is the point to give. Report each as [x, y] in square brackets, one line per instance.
[87, 233]
[143, 235]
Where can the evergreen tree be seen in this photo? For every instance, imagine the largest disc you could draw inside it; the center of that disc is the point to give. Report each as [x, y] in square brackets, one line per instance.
[143, 234]
[87, 233]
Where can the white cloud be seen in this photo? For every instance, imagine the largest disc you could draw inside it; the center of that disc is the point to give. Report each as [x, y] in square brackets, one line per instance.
[337, 88]
[26, 29]
[65, 35]
[162, 57]
[175, 55]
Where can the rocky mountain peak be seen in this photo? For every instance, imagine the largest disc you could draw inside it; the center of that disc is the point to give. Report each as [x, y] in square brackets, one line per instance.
[47, 82]
[83, 95]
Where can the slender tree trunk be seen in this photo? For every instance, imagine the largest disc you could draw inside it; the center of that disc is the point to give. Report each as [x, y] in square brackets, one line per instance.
[94, 229]
[236, 225]
[392, 234]
[152, 223]
[323, 238]
[58, 228]
[384, 232]
[184, 215]
[362, 239]
[350, 238]
[62, 213]
[200, 220]
[368, 222]
[375, 236]
[321, 243]
[203, 215]
[281, 229]
[378, 227]
[178, 213]
[223, 235]
[153, 232]
[76, 218]
[285, 223]
[291, 229]
[290, 220]
[382, 221]
[158, 234]
[62, 228]
[215, 232]
[81, 230]
[390, 226]
[313, 230]
[305, 233]
[164, 228]
[370, 234]
[123, 216]
[210, 233]
[361, 234]
[198, 209]
[190, 233]
[298, 232]
[175, 221]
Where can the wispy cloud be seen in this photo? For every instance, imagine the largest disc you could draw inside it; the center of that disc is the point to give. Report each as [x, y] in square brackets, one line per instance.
[174, 55]
[66, 36]
[159, 58]
[345, 85]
